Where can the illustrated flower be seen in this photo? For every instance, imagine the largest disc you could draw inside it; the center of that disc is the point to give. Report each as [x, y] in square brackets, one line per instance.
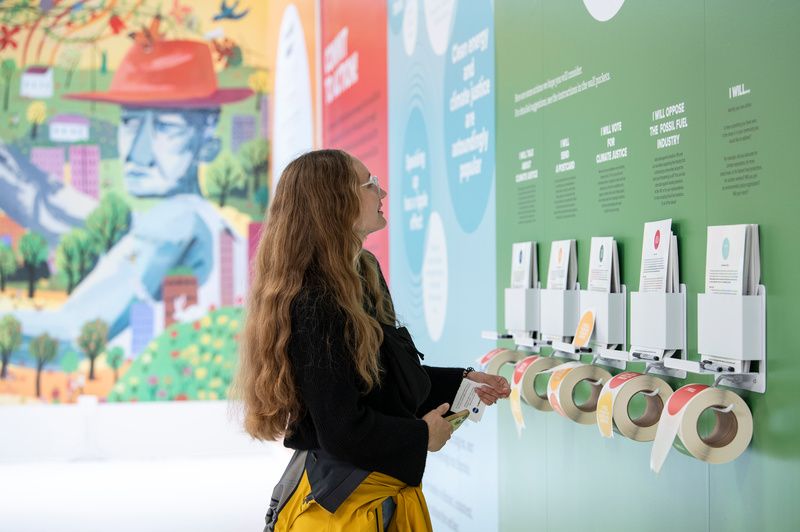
[205, 339]
[146, 358]
[212, 396]
[207, 357]
[119, 388]
[174, 333]
[218, 343]
[216, 382]
[181, 397]
[200, 373]
[152, 380]
[206, 321]
[196, 325]
[187, 371]
[116, 23]
[222, 320]
[174, 353]
[167, 380]
[133, 381]
[201, 394]
[218, 359]
[234, 325]
[161, 394]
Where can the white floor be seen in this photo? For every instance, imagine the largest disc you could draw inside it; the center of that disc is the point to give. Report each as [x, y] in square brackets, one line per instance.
[198, 494]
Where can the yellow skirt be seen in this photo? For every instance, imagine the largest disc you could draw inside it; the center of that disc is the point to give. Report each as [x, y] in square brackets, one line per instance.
[361, 511]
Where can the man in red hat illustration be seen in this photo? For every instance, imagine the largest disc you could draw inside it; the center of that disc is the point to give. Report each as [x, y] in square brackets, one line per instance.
[170, 110]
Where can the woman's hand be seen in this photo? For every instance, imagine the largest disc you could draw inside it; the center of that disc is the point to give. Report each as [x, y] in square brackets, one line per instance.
[495, 387]
[439, 430]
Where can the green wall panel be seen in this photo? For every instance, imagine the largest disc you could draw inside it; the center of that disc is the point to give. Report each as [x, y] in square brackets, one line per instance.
[732, 162]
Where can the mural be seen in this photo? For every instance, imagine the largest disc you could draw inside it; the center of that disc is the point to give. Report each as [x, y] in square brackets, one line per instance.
[134, 174]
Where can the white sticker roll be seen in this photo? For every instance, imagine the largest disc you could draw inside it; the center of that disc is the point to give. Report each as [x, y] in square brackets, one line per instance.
[492, 361]
[612, 406]
[529, 372]
[522, 387]
[562, 384]
[678, 426]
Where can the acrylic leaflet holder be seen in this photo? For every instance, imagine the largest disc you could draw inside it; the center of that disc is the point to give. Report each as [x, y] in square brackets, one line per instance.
[608, 336]
[522, 311]
[658, 329]
[731, 340]
[559, 315]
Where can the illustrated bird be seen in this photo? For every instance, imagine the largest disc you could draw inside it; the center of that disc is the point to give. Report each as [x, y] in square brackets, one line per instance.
[228, 12]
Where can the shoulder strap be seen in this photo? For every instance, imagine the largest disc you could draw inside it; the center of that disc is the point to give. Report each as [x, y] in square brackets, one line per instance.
[285, 488]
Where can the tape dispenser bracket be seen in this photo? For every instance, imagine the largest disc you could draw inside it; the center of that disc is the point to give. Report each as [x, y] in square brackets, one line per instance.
[731, 340]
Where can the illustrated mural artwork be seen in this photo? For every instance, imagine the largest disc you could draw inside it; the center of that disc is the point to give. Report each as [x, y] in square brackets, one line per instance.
[134, 160]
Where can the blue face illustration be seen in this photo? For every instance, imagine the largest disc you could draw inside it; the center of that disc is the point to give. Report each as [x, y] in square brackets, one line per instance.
[160, 148]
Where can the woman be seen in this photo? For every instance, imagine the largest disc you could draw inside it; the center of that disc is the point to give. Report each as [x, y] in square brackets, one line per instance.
[324, 365]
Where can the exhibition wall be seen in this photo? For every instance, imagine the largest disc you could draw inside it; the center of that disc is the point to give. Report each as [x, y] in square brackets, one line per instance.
[487, 122]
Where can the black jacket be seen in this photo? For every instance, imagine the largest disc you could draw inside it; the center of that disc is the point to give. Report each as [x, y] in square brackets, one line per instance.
[378, 431]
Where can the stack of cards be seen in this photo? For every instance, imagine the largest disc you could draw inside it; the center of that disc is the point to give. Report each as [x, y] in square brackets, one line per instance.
[733, 260]
[604, 265]
[524, 265]
[660, 270]
[563, 271]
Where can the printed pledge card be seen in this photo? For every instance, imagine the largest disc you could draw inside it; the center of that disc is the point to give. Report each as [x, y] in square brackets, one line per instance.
[562, 273]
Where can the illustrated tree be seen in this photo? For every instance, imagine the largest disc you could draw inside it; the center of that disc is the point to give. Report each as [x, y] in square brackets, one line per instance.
[108, 222]
[259, 83]
[33, 248]
[43, 349]
[8, 264]
[37, 113]
[254, 160]
[10, 340]
[224, 175]
[114, 358]
[92, 341]
[69, 60]
[7, 69]
[75, 257]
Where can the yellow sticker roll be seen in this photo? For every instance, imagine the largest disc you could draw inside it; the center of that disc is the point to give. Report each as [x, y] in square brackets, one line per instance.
[732, 432]
[612, 406]
[565, 379]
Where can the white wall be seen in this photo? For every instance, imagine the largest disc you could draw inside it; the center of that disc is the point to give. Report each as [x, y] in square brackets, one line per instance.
[156, 466]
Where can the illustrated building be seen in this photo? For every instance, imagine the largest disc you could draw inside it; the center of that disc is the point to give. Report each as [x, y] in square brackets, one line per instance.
[10, 231]
[253, 236]
[142, 320]
[226, 274]
[243, 129]
[84, 162]
[36, 82]
[49, 160]
[179, 291]
[68, 128]
[265, 125]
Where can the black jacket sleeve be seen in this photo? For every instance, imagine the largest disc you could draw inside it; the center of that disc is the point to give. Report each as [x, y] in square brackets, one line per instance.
[331, 393]
[444, 385]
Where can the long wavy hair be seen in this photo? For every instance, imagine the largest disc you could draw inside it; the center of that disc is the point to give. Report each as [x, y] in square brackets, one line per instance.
[310, 224]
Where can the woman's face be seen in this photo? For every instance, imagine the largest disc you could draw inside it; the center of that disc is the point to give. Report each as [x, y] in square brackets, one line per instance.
[371, 218]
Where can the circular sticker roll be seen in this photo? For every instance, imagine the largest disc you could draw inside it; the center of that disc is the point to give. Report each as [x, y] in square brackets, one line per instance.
[527, 370]
[612, 407]
[494, 359]
[732, 432]
[564, 380]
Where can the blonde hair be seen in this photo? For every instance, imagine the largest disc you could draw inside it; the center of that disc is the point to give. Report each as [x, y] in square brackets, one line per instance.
[311, 224]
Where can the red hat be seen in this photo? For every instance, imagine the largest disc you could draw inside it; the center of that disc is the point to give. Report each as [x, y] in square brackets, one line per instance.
[166, 74]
